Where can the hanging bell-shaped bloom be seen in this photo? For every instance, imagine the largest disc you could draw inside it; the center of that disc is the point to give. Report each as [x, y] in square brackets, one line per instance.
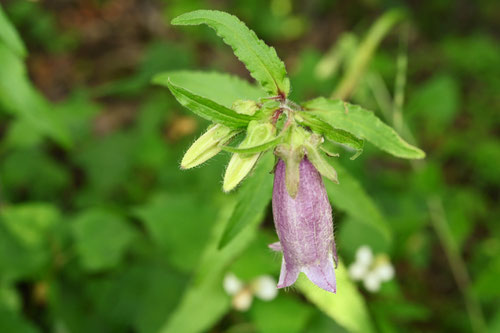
[305, 228]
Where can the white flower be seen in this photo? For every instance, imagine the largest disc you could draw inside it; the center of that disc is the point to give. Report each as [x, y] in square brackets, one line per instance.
[232, 284]
[263, 287]
[372, 270]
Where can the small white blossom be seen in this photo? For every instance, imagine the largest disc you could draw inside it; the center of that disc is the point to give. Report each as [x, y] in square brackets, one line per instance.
[232, 284]
[364, 256]
[385, 271]
[263, 287]
[243, 300]
[371, 270]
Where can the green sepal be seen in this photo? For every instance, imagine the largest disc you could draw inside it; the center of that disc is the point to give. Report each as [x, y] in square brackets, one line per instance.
[292, 156]
[254, 149]
[319, 162]
[330, 133]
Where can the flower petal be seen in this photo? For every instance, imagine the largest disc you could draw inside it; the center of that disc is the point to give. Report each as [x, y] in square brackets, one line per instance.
[288, 275]
[322, 275]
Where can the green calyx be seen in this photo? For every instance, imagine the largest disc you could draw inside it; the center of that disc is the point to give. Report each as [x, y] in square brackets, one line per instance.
[301, 143]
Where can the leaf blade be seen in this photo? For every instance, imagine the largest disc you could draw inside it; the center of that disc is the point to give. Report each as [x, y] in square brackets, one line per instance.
[210, 84]
[362, 123]
[351, 197]
[18, 96]
[207, 108]
[10, 36]
[261, 60]
[347, 306]
[253, 198]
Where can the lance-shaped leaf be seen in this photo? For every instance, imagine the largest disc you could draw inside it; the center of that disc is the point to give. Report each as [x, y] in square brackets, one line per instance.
[362, 123]
[210, 85]
[261, 60]
[10, 37]
[330, 133]
[208, 109]
[19, 96]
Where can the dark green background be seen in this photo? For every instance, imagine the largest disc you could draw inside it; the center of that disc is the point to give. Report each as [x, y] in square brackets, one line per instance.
[100, 231]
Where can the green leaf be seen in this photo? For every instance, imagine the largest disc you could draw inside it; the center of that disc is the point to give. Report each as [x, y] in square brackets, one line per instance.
[170, 220]
[284, 314]
[330, 133]
[205, 301]
[11, 321]
[210, 85]
[101, 238]
[208, 109]
[17, 95]
[27, 236]
[10, 37]
[347, 307]
[253, 198]
[261, 60]
[364, 52]
[362, 123]
[350, 197]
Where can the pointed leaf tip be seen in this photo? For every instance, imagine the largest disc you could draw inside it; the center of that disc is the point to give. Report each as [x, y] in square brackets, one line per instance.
[261, 60]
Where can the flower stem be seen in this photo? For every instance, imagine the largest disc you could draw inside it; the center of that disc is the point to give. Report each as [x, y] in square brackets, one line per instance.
[457, 265]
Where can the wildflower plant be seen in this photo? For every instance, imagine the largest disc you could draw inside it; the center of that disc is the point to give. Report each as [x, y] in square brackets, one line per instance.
[250, 121]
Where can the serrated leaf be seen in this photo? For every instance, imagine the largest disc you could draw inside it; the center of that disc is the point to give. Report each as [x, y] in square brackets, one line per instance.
[10, 37]
[351, 198]
[347, 307]
[261, 60]
[330, 133]
[210, 85]
[208, 109]
[253, 198]
[362, 123]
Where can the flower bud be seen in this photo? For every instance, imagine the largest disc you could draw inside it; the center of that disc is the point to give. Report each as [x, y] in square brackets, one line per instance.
[247, 107]
[305, 228]
[207, 145]
[241, 164]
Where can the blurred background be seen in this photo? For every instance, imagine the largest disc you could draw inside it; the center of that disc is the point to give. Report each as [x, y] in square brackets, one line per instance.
[100, 231]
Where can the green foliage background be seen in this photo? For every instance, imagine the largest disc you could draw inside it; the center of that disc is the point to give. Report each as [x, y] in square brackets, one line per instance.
[100, 231]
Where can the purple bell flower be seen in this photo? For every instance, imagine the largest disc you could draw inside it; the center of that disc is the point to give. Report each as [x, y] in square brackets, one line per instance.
[305, 228]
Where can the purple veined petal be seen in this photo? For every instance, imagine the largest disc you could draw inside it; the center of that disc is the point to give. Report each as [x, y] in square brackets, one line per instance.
[305, 228]
[288, 275]
[322, 275]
